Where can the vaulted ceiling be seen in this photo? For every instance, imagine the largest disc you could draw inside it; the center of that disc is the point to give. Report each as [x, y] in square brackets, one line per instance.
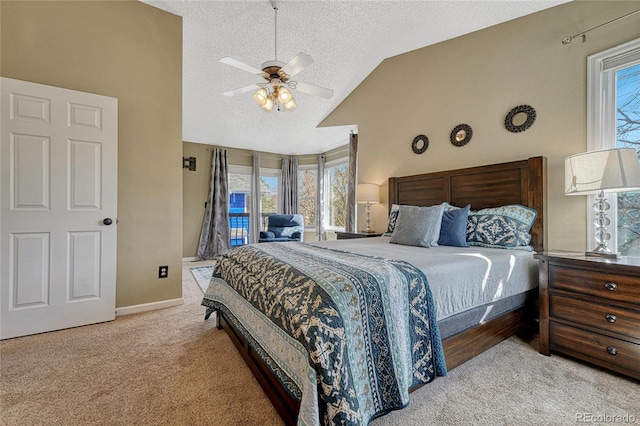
[347, 40]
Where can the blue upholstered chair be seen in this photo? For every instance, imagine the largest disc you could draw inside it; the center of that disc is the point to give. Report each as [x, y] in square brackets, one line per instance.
[283, 227]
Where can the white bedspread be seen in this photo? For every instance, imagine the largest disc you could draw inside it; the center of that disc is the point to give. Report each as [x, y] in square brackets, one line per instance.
[461, 278]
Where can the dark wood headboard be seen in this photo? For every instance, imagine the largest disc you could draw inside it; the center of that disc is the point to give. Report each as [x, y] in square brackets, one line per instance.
[516, 182]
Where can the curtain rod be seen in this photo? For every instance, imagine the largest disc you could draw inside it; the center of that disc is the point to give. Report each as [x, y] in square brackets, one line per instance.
[568, 39]
[277, 158]
[249, 155]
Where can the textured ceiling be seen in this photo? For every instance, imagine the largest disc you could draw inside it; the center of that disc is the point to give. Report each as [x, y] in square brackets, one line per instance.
[347, 40]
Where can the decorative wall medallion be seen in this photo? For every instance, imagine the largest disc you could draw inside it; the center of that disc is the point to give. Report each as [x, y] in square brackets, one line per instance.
[520, 118]
[461, 135]
[420, 144]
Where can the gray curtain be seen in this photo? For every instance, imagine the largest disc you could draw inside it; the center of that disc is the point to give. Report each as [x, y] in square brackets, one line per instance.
[289, 186]
[214, 237]
[255, 213]
[320, 200]
[350, 225]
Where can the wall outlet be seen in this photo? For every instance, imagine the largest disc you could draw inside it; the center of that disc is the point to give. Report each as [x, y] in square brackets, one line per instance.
[163, 271]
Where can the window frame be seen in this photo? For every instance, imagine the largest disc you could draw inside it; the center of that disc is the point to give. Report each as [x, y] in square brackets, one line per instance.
[601, 117]
[325, 201]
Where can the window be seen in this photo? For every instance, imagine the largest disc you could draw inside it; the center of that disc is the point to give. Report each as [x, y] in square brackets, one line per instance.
[269, 193]
[239, 204]
[269, 187]
[614, 121]
[335, 194]
[240, 200]
[307, 181]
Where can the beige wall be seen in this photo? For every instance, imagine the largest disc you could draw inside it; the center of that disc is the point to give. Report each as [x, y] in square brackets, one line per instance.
[476, 79]
[133, 52]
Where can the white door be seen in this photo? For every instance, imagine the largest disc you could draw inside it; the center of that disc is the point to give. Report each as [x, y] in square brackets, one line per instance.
[58, 187]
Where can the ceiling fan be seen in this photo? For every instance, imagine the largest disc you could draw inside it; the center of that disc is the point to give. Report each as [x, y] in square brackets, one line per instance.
[274, 92]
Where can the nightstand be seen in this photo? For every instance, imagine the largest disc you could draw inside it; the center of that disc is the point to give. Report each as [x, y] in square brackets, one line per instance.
[350, 235]
[590, 309]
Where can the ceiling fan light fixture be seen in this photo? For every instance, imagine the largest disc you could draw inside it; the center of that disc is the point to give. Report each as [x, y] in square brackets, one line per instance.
[277, 74]
[290, 105]
[284, 95]
[260, 96]
[268, 104]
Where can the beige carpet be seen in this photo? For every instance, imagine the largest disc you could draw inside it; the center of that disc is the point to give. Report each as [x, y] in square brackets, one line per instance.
[169, 367]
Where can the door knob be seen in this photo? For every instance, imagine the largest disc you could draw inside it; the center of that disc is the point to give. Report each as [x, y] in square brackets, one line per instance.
[107, 221]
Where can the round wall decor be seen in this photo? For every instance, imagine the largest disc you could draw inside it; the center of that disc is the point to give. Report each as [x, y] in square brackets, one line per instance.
[520, 118]
[461, 135]
[420, 144]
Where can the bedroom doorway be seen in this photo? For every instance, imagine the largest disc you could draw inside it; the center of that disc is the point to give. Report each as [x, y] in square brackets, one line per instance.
[58, 208]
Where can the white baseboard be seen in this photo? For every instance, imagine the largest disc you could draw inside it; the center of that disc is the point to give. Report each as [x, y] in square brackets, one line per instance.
[134, 309]
[189, 259]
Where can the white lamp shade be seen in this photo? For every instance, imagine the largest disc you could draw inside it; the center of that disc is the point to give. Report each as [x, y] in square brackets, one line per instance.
[612, 170]
[284, 95]
[368, 193]
[268, 103]
[260, 96]
[290, 105]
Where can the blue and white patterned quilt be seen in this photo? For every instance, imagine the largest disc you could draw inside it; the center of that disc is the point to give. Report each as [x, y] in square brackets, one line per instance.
[346, 334]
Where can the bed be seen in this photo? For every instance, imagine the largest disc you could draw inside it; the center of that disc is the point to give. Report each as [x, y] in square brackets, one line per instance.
[481, 325]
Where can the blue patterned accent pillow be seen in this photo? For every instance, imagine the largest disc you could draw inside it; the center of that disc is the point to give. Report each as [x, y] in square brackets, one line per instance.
[393, 217]
[501, 227]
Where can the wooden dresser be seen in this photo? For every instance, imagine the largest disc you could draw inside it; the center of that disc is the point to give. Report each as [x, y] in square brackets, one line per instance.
[590, 309]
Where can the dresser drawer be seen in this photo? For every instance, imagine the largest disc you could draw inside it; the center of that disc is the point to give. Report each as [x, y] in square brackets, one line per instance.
[609, 318]
[600, 284]
[607, 352]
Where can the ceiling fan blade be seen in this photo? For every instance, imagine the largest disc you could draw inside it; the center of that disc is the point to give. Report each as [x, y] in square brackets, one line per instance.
[241, 90]
[241, 65]
[297, 64]
[323, 92]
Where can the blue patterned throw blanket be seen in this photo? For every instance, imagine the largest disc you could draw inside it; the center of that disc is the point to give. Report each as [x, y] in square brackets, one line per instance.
[346, 334]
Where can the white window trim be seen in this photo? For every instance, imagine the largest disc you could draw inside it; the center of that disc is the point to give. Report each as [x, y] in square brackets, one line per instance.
[601, 115]
[325, 215]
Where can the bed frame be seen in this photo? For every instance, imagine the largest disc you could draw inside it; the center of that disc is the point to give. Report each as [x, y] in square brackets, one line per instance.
[517, 182]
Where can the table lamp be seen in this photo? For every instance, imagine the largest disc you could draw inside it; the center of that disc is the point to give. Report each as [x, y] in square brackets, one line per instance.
[368, 193]
[597, 172]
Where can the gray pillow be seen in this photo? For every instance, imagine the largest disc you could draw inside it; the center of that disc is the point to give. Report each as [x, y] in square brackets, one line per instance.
[418, 226]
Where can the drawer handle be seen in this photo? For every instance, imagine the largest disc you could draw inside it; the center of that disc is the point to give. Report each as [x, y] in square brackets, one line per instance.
[611, 286]
[611, 350]
[611, 318]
